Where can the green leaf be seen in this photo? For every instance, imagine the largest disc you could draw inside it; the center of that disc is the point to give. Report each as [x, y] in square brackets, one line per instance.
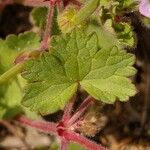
[125, 34]
[10, 103]
[39, 16]
[75, 59]
[10, 92]
[71, 146]
[126, 5]
[75, 146]
[105, 37]
[112, 34]
[14, 45]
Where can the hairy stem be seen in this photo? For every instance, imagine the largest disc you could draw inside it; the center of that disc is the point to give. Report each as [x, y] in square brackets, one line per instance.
[75, 137]
[44, 44]
[11, 73]
[82, 108]
[68, 109]
[4, 2]
[76, 2]
[34, 3]
[60, 6]
[64, 144]
[46, 127]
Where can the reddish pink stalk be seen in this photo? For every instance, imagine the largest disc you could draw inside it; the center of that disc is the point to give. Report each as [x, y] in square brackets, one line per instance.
[68, 109]
[83, 107]
[35, 3]
[76, 2]
[85, 103]
[46, 127]
[60, 6]
[4, 3]
[64, 144]
[44, 44]
[63, 128]
[32, 3]
[75, 137]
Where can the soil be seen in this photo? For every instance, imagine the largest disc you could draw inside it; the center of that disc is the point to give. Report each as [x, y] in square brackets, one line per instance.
[122, 126]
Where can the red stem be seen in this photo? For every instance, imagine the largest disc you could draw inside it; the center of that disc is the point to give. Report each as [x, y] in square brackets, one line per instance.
[39, 125]
[85, 103]
[64, 144]
[44, 44]
[6, 2]
[75, 137]
[35, 3]
[32, 3]
[60, 6]
[83, 107]
[68, 109]
[76, 2]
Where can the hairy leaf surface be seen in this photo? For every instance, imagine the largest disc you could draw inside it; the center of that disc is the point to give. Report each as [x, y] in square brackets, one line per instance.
[13, 45]
[74, 60]
[10, 92]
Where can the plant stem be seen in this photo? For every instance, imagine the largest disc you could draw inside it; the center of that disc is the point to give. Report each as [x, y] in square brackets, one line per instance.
[35, 3]
[64, 144]
[75, 137]
[60, 6]
[44, 44]
[7, 124]
[68, 109]
[82, 108]
[85, 12]
[76, 2]
[11, 73]
[5, 2]
[39, 125]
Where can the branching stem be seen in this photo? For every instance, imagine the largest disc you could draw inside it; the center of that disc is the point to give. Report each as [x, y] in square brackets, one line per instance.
[44, 44]
[64, 144]
[82, 108]
[68, 109]
[46, 127]
[75, 137]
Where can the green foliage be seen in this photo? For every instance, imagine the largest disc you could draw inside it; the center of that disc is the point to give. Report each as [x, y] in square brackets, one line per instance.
[121, 5]
[65, 19]
[125, 34]
[10, 102]
[106, 38]
[14, 45]
[72, 17]
[71, 146]
[75, 60]
[10, 92]
[145, 21]
[39, 16]
[113, 18]
[74, 146]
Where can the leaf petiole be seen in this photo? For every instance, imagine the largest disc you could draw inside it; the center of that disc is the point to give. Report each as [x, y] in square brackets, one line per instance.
[85, 12]
[11, 73]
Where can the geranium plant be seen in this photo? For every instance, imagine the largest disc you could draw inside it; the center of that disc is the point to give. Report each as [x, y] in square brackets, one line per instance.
[81, 47]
